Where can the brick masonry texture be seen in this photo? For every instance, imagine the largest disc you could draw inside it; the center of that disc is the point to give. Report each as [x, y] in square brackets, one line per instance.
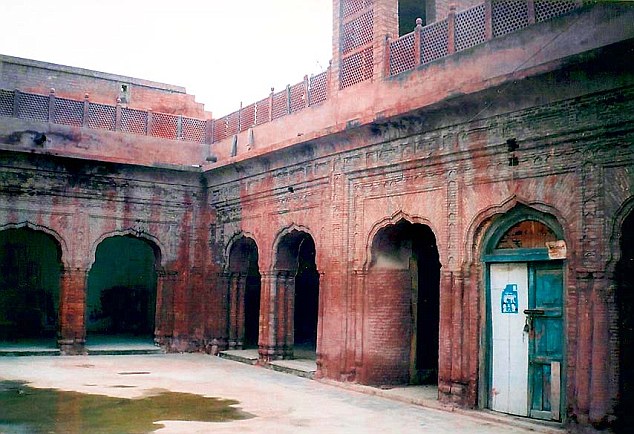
[407, 148]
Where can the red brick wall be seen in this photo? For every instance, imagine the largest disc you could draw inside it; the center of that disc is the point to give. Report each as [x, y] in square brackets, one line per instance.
[387, 327]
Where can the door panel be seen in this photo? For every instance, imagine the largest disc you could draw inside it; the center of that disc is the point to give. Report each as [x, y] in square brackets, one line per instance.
[509, 370]
[546, 339]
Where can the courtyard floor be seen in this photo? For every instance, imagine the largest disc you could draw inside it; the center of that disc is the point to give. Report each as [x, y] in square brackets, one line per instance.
[269, 401]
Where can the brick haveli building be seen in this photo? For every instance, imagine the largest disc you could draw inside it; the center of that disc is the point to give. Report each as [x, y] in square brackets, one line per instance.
[450, 206]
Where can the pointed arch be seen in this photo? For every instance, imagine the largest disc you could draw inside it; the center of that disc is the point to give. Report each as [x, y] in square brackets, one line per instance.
[280, 236]
[514, 210]
[156, 245]
[61, 242]
[237, 237]
[392, 220]
[621, 215]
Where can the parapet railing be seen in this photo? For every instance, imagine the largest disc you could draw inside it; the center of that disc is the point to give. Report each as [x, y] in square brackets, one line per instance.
[463, 30]
[459, 31]
[306, 93]
[63, 111]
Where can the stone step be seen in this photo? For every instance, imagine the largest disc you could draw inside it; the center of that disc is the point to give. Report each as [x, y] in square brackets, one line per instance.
[250, 357]
[299, 367]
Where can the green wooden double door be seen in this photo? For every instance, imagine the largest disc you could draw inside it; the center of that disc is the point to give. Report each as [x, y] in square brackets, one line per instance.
[526, 352]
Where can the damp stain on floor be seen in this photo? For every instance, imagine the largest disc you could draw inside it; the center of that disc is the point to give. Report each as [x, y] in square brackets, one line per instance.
[27, 409]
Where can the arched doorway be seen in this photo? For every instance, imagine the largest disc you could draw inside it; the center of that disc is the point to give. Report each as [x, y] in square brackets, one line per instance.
[244, 296]
[525, 315]
[121, 292]
[625, 303]
[403, 290]
[30, 269]
[297, 275]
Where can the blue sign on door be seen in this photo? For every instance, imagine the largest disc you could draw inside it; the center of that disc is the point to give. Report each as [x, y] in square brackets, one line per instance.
[509, 299]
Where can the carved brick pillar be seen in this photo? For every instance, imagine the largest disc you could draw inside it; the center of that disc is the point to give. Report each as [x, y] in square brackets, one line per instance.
[72, 334]
[164, 318]
[452, 384]
[276, 309]
[591, 383]
[237, 284]
[267, 341]
[285, 310]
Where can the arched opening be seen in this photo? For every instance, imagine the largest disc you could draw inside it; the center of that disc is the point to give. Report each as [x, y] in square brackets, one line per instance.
[245, 297]
[625, 305]
[30, 271]
[403, 290]
[121, 292]
[296, 260]
[525, 315]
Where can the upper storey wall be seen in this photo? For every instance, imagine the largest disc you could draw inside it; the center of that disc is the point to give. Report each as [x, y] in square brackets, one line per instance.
[75, 83]
[502, 54]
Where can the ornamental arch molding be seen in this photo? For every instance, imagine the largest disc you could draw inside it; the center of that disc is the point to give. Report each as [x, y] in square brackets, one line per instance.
[287, 231]
[624, 211]
[65, 255]
[157, 247]
[233, 240]
[393, 220]
[496, 219]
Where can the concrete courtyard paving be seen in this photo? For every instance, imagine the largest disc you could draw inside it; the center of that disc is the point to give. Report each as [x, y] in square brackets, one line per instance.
[280, 403]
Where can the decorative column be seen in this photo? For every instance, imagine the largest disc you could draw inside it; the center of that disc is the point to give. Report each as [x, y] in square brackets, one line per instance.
[268, 294]
[164, 319]
[72, 332]
[237, 284]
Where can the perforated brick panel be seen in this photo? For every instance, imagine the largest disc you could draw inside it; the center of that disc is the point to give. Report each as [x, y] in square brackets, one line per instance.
[193, 130]
[433, 40]
[33, 107]
[298, 97]
[262, 114]
[232, 123]
[68, 112]
[358, 32]
[220, 129]
[6, 102]
[164, 125]
[356, 68]
[133, 121]
[318, 88]
[351, 7]
[547, 9]
[247, 117]
[280, 104]
[470, 29]
[402, 54]
[101, 116]
[509, 16]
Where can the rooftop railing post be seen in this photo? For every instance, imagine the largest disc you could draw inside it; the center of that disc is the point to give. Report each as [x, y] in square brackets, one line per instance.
[86, 110]
[288, 99]
[306, 91]
[16, 102]
[451, 24]
[209, 131]
[51, 105]
[530, 4]
[386, 66]
[117, 116]
[488, 20]
[271, 104]
[179, 127]
[417, 31]
[239, 126]
[149, 123]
